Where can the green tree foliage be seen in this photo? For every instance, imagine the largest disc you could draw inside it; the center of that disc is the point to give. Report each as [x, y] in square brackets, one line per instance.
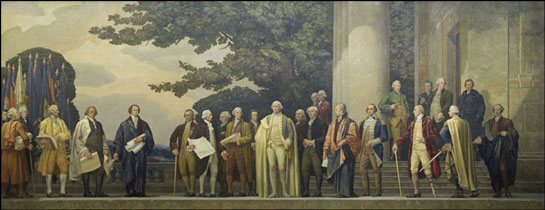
[285, 48]
[227, 100]
[402, 46]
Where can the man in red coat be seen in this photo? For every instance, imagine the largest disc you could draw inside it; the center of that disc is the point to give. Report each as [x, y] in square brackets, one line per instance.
[324, 107]
[422, 135]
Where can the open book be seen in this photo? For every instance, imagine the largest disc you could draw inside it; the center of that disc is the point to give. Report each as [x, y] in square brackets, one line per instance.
[135, 147]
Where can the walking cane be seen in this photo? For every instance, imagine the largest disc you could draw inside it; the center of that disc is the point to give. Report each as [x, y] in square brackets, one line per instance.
[175, 169]
[398, 179]
[32, 172]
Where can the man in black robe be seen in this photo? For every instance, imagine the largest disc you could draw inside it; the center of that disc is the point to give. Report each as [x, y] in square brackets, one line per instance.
[134, 164]
[471, 104]
[500, 151]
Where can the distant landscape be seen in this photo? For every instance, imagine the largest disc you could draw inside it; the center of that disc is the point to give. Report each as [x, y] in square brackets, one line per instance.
[161, 153]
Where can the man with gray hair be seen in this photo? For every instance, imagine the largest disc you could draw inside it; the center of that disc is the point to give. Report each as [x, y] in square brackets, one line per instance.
[341, 147]
[54, 160]
[311, 138]
[373, 132]
[212, 164]
[460, 161]
[23, 112]
[324, 107]
[225, 116]
[89, 138]
[500, 151]
[421, 136]
[276, 145]
[14, 164]
[314, 98]
[395, 108]
[237, 152]
[439, 103]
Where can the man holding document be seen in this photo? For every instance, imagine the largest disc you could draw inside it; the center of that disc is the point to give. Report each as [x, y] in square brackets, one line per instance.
[236, 151]
[90, 153]
[135, 131]
[189, 165]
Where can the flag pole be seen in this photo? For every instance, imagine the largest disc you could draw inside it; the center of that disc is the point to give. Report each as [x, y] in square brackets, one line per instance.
[175, 170]
[32, 172]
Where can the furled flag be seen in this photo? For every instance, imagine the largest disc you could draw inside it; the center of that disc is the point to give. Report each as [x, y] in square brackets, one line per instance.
[19, 86]
[45, 94]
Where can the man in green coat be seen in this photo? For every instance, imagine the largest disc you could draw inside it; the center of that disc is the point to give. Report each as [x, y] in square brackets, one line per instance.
[394, 107]
[438, 106]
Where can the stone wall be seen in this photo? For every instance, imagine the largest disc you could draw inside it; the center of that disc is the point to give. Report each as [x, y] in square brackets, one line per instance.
[502, 49]
[526, 73]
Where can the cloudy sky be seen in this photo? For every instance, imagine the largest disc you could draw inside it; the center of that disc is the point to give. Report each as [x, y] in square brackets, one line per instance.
[110, 77]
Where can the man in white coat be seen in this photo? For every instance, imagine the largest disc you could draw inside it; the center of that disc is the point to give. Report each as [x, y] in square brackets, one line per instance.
[89, 138]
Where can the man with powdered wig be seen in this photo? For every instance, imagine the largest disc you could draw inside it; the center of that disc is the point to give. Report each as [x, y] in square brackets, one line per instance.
[89, 138]
[311, 138]
[189, 165]
[460, 164]
[212, 164]
[421, 136]
[341, 147]
[236, 152]
[276, 146]
[225, 116]
[324, 107]
[54, 160]
[14, 165]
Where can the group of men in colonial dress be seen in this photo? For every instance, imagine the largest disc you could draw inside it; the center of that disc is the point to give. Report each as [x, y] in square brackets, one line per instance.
[276, 156]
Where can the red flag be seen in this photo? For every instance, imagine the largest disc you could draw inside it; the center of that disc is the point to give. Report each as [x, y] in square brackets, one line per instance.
[52, 91]
[11, 97]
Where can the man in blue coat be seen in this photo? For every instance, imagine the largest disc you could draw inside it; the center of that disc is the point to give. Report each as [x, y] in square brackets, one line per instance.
[133, 162]
[471, 105]
[373, 132]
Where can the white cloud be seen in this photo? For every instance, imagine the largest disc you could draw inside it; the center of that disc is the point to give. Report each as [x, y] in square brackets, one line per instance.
[128, 69]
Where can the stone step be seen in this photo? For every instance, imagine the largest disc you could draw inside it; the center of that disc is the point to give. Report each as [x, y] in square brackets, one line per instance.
[167, 201]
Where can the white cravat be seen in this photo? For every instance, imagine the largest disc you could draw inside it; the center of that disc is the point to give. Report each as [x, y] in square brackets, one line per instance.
[134, 120]
[368, 120]
[236, 122]
[91, 120]
[54, 119]
[497, 118]
[211, 130]
[419, 117]
[311, 121]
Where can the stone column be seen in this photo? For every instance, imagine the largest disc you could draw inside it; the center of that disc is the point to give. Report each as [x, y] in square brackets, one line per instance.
[360, 55]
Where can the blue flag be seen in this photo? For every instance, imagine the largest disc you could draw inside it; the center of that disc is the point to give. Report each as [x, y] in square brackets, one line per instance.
[45, 95]
[31, 93]
[5, 82]
[63, 99]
